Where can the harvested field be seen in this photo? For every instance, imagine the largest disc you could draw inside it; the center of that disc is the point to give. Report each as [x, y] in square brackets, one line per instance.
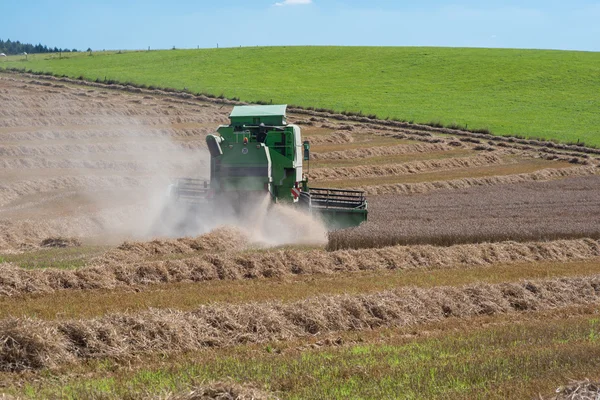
[496, 348]
[220, 239]
[360, 141]
[391, 159]
[68, 149]
[519, 212]
[15, 191]
[462, 227]
[112, 272]
[325, 136]
[188, 296]
[381, 151]
[464, 183]
[324, 174]
[29, 343]
[64, 147]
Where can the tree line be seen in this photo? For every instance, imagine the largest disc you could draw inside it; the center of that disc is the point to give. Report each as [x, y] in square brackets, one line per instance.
[10, 47]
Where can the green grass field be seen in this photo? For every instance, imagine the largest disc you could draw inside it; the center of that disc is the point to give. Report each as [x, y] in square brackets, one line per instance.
[534, 93]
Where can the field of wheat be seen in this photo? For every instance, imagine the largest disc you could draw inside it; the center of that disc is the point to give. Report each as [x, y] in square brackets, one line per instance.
[476, 275]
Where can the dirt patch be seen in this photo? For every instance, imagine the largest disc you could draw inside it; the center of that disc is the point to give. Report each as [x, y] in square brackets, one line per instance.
[425, 130]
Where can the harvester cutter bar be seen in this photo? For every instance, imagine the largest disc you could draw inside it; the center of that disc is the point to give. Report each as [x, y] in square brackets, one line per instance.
[191, 190]
[337, 198]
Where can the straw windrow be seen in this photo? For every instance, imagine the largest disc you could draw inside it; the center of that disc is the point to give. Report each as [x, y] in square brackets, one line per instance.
[415, 167]
[281, 263]
[465, 183]
[29, 343]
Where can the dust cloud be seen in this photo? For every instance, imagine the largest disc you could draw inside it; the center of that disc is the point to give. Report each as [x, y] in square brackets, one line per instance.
[145, 210]
[263, 222]
[96, 165]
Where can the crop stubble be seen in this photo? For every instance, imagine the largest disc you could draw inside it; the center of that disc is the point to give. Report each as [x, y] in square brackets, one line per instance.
[124, 269]
[521, 211]
[30, 343]
[60, 142]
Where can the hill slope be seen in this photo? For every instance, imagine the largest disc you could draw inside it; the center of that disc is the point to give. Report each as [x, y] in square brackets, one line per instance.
[534, 93]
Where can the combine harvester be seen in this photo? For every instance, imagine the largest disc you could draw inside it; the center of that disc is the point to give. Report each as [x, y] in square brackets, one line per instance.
[259, 156]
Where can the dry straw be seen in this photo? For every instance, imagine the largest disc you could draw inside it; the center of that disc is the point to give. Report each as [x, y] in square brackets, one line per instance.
[415, 167]
[584, 390]
[371, 236]
[464, 183]
[337, 137]
[28, 343]
[12, 191]
[60, 241]
[113, 165]
[68, 150]
[221, 391]
[382, 151]
[123, 272]
[220, 239]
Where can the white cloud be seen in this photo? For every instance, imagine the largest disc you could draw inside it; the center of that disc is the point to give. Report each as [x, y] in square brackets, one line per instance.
[292, 3]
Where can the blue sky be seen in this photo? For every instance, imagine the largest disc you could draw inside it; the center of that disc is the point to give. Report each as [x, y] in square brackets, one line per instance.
[111, 24]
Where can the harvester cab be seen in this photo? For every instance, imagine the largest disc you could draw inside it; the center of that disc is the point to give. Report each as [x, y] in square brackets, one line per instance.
[259, 152]
[259, 155]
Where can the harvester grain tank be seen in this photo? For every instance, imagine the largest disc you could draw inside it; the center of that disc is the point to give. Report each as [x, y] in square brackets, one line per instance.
[259, 153]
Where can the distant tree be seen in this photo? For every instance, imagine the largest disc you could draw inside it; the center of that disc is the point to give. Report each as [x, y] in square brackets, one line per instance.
[16, 47]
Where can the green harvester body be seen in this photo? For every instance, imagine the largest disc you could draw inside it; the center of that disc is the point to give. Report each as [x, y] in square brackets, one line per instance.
[260, 152]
